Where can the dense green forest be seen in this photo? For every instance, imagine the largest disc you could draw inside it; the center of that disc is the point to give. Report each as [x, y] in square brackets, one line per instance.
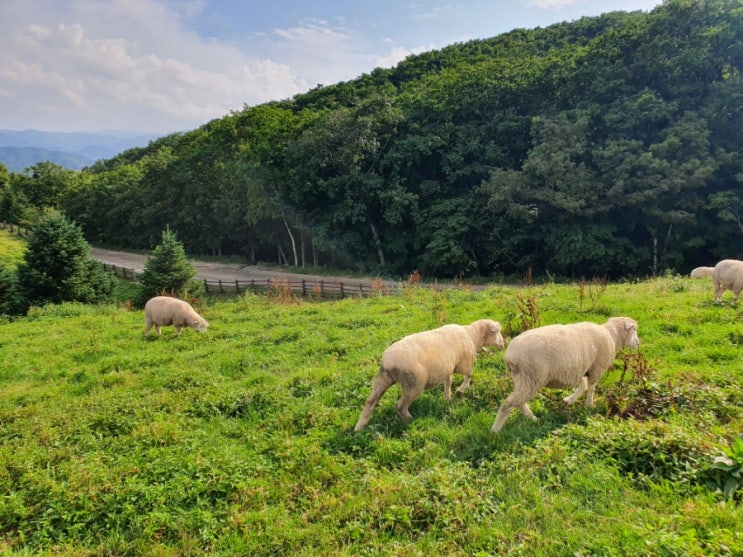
[610, 145]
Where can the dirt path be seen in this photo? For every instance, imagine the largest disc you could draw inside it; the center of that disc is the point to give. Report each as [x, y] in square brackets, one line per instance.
[223, 271]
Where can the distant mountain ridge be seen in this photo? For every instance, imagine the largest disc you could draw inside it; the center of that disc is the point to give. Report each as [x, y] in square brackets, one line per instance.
[20, 149]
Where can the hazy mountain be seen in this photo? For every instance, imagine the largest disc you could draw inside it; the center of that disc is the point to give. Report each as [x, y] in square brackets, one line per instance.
[75, 150]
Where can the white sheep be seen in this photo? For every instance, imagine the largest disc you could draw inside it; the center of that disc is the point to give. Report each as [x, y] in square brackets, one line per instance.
[560, 357]
[164, 310]
[424, 360]
[728, 275]
[701, 272]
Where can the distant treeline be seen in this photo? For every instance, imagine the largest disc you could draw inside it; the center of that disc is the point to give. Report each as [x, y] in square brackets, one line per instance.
[610, 145]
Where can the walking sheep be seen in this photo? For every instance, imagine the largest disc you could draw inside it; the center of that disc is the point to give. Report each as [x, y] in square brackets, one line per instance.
[728, 275]
[563, 356]
[424, 360]
[701, 272]
[164, 310]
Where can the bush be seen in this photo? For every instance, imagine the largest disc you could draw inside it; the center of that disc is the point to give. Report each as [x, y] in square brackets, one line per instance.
[57, 267]
[10, 298]
[167, 271]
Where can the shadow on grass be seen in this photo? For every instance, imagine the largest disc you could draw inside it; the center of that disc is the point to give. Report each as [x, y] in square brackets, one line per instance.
[454, 430]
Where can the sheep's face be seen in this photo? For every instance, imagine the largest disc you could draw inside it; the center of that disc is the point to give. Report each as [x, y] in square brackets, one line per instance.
[199, 324]
[630, 335]
[494, 336]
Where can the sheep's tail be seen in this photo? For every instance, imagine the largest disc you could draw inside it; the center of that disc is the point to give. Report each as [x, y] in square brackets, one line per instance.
[382, 382]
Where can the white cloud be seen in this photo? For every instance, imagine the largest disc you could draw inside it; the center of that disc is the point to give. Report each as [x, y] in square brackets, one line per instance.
[422, 12]
[320, 53]
[124, 65]
[397, 54]
[553, 4]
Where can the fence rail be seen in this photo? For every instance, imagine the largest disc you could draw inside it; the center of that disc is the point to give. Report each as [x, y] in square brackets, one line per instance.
[121, 272]
[15, 229]
[318, 289]
[321, 289]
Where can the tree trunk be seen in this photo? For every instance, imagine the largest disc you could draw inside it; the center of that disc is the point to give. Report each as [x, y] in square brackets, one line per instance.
[377, 243]
[294, 244]
[301, 245]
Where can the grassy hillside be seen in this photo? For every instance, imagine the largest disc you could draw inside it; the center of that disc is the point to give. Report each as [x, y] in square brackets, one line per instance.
[11, 249]
[240, 441]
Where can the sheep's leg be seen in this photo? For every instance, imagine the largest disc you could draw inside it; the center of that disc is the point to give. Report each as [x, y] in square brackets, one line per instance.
[158, 330]
[526, 411]
[409, 394]
[719, 291]
[582, 387]
[465, 383]
[447, 388]
[589, 394]
[382, 382]
[515, 400]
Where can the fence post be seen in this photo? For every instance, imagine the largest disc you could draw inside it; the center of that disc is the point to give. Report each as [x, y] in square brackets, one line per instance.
[343, 294]
[304, 289]
[237, 286]
[206, 286]
[322, 289]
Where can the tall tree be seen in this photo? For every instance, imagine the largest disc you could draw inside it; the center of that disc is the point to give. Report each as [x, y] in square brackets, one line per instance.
[167, 270]
[57, 266]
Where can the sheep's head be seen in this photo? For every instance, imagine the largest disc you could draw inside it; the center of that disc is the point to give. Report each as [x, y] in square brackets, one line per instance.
[625, 332]
[198, 323]
[491, 334]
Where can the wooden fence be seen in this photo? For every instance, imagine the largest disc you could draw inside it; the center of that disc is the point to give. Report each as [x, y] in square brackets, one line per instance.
[121, 272]
[319, 289]
[15, 229]
[280, 286]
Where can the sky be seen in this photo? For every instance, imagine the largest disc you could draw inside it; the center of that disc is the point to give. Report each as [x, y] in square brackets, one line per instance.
[161, 66]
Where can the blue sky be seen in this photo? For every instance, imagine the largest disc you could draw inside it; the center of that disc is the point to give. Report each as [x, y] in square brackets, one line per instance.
[167, 65]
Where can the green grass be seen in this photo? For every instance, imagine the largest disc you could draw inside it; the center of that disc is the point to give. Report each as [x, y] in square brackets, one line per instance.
[240, 441]
[11, 249]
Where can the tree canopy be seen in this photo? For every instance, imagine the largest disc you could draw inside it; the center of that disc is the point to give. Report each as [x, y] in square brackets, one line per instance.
[57, 267]
[607, 145]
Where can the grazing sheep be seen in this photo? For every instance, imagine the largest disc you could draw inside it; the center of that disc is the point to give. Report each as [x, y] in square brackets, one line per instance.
[728, 275]
[424, 360]
[164, 310]
[563, 356]
[701, 272]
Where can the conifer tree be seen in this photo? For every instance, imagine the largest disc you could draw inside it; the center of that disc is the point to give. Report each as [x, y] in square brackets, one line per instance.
[57, 266]
[167, 270]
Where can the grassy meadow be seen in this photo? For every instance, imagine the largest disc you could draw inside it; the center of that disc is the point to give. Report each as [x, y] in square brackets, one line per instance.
[11, 249]
[240, 441]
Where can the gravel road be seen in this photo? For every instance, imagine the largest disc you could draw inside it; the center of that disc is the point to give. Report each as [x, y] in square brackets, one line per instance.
[223, 271]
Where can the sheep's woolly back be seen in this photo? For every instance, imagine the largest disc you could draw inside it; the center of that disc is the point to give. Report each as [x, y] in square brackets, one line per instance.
[424, 360]
[562, 356]
[165, 310]
[428, 350]
[558, 355]
[728, 275]
[702, 272]
[443, 346]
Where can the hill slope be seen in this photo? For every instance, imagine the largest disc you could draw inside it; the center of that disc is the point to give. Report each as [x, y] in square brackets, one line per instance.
[240, 441]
